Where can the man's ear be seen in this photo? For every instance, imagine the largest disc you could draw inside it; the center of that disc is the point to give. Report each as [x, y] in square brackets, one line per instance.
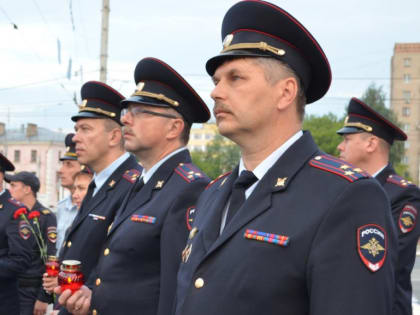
[175, 128]
[286, 92]
[372, 144]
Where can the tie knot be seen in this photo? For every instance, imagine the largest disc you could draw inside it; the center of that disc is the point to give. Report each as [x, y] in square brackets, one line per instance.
[245, 180]
[92, 185]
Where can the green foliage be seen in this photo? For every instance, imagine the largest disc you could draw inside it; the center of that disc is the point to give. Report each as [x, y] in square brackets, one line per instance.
[375, 98]
[323, 130]
[220, 157]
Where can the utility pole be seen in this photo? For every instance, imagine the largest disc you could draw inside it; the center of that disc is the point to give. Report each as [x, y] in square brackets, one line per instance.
[104, 40]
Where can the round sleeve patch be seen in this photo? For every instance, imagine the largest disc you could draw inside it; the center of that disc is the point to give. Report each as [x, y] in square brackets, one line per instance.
[372, 246]
[190, 217]
[408, 218]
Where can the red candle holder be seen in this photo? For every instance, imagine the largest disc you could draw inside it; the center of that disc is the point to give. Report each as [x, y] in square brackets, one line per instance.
[52, 266]
[70, 276]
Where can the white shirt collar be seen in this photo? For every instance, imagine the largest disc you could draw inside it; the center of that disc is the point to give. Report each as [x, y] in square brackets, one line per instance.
[380, 170]
[146, 175]
[2, 192]
[269, 161]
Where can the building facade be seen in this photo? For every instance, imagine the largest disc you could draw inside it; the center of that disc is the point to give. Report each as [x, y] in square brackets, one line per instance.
[405, 100]
[35, 149]
[201, 136]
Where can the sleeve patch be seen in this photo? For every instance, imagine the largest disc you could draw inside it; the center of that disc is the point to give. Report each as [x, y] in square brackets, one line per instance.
[189, 172]
[24, 230]
[52, 234]
[372, 246]
[399, 181]
[217, 179]
[339, 167]
[408, 219]
[190, 216]
[131, 175]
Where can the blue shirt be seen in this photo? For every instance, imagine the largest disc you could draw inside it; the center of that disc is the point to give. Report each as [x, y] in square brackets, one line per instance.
[66, 211]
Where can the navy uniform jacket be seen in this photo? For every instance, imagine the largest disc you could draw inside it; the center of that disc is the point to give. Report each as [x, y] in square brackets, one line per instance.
[16, 244]
[32, 277]
[405, 204]
[293, 247]
[139, 262]
[87, 233]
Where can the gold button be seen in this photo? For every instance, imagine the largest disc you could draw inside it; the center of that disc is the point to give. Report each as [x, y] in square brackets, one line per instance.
[106, 252]
[68, 244]
[94, 312]
[98, 281]
[199, 283]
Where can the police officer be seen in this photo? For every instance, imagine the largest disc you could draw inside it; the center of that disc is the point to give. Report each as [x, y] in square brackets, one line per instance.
[291, 230]
[138, 266]
[16, 245]
[24, 187]
[367, 140]
[66, 209]
[99, 145]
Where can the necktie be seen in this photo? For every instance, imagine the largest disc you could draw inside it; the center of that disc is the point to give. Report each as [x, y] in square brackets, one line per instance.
[137, 187]
[89, 192]
[237, 198]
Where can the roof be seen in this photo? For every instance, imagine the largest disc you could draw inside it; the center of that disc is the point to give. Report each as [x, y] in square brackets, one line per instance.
[43, 135]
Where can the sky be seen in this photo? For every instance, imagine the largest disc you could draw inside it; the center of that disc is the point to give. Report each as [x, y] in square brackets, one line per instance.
[357, 36]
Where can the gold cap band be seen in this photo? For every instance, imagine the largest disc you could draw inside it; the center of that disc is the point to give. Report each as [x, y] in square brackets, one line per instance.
[261, 45]
[160, 97]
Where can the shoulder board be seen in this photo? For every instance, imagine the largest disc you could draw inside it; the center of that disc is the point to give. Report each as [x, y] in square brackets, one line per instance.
[399, 181]
[217, 179]
[15, 202]
[131, 175]
[45, 211]
[339, 167]
[189, 172]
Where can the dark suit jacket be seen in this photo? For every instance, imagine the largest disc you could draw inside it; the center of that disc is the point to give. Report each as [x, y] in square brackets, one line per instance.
[139, 262]
[87, 233]
[304, 258]
[16, 245]
[405, 204]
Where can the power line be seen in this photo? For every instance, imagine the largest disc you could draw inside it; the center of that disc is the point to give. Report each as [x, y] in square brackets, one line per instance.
[7, 17]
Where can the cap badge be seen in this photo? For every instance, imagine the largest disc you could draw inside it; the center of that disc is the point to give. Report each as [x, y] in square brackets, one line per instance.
[228, 39]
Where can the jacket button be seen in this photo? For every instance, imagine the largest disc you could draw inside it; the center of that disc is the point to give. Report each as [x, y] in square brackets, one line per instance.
[98, 281]
[106, 252]
[94, 312]
[68, 244]
[199, 283]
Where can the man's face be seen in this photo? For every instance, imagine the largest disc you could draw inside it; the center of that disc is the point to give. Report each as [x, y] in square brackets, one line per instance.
[352, 148]
[66, 172]
[1, 180]
[145, 131]
[91, 140]
[19, 190]
[81, 184]
[244, 100]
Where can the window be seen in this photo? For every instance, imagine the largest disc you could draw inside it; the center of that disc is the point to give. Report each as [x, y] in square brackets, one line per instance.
[406, 111]
[407, 62]
[406, 145]
[17, 156]
[405, 159]
[407, 78]
[197, 136]
[33, 156]
[407, 96]
[406, 127]
[209, 136]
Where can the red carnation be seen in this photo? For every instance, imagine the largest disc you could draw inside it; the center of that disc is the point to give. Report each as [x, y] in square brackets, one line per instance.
[34, 214]
[19, 212]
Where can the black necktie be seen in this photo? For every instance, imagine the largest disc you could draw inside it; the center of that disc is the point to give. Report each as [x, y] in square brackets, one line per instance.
[89, 192]
[137, 187]
[237, 198]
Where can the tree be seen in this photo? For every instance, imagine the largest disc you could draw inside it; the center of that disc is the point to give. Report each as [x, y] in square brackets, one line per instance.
[221, 156]
[324, 131]
[375, 98]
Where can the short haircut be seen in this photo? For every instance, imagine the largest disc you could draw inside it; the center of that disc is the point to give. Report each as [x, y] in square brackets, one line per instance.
[110, 125]
[274, 70]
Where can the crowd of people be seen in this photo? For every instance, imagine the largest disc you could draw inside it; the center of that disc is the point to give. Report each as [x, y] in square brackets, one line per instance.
[290, 230]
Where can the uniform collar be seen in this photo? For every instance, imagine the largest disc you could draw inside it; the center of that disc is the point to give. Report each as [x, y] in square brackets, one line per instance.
[379, 171]
[101, 177]
[2, 192]
[146, 175]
